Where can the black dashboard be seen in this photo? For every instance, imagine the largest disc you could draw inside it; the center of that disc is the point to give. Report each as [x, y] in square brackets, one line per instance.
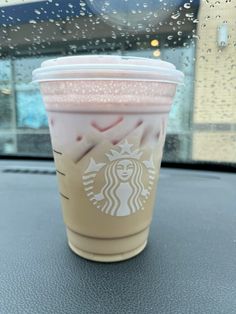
[189, 265]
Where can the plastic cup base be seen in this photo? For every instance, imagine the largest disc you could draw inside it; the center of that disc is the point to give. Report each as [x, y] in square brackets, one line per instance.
[107, 258]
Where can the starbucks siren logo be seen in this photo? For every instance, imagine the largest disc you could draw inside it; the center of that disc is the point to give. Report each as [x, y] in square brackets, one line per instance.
[123, 193]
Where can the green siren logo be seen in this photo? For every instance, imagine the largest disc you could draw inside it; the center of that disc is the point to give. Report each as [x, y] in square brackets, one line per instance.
[123, 192]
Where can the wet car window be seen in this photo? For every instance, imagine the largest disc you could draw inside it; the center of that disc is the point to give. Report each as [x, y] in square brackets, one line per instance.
[198, 37]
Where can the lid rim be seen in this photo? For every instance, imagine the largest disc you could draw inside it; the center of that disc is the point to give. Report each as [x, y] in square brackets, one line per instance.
[109, 79]
[89, 67]
[108, 70]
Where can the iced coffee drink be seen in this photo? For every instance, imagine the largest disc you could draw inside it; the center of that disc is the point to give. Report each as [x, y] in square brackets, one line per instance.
[107, 117]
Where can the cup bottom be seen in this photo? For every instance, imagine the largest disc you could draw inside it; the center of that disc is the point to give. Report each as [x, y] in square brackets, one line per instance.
[107, 258]
[107, 250]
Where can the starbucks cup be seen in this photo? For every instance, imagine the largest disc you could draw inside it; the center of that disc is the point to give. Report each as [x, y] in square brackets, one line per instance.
[107, 117]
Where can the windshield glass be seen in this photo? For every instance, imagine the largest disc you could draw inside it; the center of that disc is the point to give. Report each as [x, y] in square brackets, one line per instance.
[198, 37]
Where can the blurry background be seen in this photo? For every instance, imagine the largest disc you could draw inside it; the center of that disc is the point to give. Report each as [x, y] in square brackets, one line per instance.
[199, 37]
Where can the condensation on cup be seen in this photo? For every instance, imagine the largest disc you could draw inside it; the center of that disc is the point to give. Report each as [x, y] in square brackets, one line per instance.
[107, 117]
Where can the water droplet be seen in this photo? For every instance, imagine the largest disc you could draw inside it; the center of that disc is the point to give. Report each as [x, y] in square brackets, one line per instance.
[180, 33]
[156, 53]
[37, 11]
[175, 15]
[113, 35]
[187, 5]
[208, 50]
[32, 22]
[195, 21]
[189, 15]
[170, 37]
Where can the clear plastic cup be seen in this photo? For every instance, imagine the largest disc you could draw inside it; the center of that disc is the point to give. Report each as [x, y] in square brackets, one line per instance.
[107, 117]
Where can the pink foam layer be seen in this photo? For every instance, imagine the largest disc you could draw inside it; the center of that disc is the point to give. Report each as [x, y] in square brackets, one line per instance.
[107, 95]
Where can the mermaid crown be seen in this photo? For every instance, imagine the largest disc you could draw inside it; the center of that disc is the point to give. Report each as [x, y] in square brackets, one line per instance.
[125, 152]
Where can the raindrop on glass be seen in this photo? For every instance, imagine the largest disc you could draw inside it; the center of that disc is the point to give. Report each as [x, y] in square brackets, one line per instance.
[187, 5]
[37, 12]
[175, 15]
[189, 15]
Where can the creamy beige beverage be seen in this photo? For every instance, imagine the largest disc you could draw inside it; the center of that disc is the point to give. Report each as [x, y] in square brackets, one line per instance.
[107, 118]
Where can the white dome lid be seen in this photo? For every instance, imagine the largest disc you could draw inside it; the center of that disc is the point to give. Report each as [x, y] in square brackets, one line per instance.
[110, 67]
